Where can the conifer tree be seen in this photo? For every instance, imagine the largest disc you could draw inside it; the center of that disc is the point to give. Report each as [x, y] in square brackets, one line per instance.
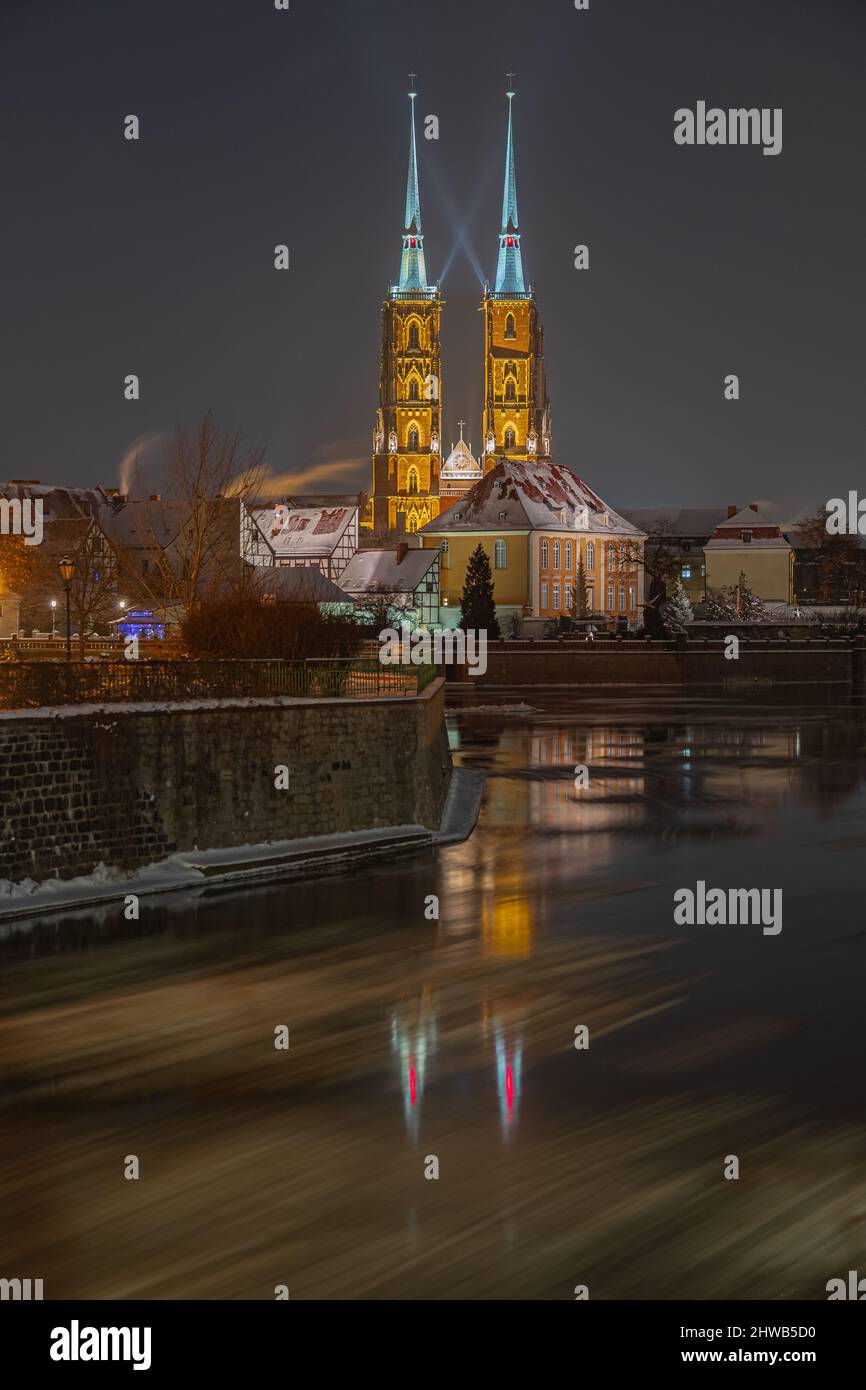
[749, 607]
[579, 602]
[478, 610]
[677, 612]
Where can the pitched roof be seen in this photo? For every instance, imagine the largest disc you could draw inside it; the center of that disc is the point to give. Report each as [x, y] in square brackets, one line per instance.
[461, 463]
[378, 571]
[675, 521]
[300, 585]
[303, 531]
[533, 495]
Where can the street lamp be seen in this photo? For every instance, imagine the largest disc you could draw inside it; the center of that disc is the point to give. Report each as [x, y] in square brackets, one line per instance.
[54, 617]
[67, 570]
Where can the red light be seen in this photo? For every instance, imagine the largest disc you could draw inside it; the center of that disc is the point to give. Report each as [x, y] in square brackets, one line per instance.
[412, 1087]
[509, 1087]
[412, 242]
[511, 241]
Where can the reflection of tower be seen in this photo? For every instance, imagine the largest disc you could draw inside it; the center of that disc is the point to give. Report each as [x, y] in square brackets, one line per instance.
[509, 1069]
[413, 1042]
[408, 435]
[516, 409]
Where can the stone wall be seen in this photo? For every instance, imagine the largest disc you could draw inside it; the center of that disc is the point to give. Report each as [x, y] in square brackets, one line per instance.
[126, 785]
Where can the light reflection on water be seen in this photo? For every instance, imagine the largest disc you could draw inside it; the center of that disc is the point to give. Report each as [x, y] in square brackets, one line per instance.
[454, 1038]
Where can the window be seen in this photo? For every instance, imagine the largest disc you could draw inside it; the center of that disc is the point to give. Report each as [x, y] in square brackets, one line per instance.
[500, 555]
[502, 516]
[610, 559]
[544, 595]
[412, 522]
[509, 326]
[557, 555]
[412, 480]
[509, 439]
[414, 337]
[746, 537]
[413, 390]
[556, 597]
[686, 571]
[445, 559]
[458, 516]
[545, 555]
[413, 440]
[568, 555]
[610, 598]
[632, 596]
[590, 555]
[622, 596]
[568, 599]
[510, 389]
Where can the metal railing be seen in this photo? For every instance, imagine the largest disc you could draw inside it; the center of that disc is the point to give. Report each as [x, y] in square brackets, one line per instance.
[32, 684]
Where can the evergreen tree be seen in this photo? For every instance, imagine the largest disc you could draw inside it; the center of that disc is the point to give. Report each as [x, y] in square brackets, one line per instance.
[749, 607]
[677, 612]
[579, 601]
[719, 606]
[478, 610]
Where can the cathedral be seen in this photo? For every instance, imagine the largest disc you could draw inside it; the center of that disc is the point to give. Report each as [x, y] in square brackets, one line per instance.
[412, 484]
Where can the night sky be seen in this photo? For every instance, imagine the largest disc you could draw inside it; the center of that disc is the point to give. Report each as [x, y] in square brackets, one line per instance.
[259, 127]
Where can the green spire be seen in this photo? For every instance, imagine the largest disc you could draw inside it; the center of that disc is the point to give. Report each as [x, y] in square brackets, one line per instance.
[509, 271]
[413, 272]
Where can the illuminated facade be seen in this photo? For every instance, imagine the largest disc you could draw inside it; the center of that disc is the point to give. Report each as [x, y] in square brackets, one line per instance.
[516, 420]
[407, 439]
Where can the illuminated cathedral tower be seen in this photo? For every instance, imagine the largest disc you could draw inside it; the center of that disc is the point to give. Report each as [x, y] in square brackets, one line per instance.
[516, 409]
[408, 434]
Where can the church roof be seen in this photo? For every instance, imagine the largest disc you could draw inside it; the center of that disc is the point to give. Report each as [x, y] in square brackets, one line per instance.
[413, 271]
[509, 270]
[461, 463]
[521, 495]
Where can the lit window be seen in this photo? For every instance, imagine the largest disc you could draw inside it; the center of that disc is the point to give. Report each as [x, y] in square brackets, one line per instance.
[632, 596]
[500, 557]
[686, 571]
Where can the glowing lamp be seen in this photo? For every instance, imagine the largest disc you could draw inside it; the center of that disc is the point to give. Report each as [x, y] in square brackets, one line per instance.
[67, 569]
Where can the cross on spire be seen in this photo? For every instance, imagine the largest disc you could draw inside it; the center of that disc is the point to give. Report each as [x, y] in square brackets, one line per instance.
[461, 423]
[412, 77]
[511, 76]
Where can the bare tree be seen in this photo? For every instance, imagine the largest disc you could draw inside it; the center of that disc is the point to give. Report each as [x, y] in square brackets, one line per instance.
[659, 556]
[194, 539]
[93, 588]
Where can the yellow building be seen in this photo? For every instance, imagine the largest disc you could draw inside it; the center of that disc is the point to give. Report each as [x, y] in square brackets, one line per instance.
[407, 438]
[748, 543]
[538, 521]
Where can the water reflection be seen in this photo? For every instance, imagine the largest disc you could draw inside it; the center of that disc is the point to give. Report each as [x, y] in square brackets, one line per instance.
[455, 1038]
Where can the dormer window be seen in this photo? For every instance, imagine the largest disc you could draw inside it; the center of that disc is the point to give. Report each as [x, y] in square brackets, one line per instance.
[458, 516]
[581, 519]
[562, 515]
[502, 516]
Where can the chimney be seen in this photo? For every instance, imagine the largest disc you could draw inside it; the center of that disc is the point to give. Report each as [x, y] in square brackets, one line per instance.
[732, 511]
[402, 548]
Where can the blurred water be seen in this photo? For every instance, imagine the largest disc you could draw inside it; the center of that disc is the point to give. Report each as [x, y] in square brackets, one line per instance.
[413, 1038]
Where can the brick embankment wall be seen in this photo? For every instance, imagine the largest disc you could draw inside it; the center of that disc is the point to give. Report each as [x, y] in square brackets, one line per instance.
[126, 785]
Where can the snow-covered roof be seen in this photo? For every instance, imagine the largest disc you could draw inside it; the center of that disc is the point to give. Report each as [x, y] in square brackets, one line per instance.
[378, 571]
[307, 531]
[756, 543]
[300, 585]
[747, 519]
[675, 521]
[534, 495]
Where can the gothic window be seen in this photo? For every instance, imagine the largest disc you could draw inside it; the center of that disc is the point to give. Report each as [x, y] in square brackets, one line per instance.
[500, 555]
[413, 440]
[510, 389]
[545, 556]
[510, 438]
[412, 483]
[414, 337]
[590, 555]
[411, 522]
[557, 554]
[568, 555]
[509, 326]
[413, 390]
